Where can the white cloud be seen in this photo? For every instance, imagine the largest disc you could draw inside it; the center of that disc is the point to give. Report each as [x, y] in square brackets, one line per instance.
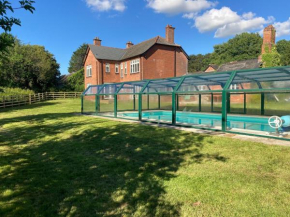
[180, 6]
[282, 28]
[226, 22]
[215, 18]
[106, 5]
[240, 27]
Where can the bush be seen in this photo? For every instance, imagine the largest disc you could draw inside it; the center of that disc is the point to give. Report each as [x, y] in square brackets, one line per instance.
[5, 91]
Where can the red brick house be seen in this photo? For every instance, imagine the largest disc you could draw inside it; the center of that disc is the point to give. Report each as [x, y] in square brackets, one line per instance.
[155, 58]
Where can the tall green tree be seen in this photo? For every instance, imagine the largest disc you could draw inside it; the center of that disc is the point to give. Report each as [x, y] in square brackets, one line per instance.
[242, 47]
[76, 61]
[29, 67]
[271, 57]
[283, 48]
[7, 21]
[199, 62]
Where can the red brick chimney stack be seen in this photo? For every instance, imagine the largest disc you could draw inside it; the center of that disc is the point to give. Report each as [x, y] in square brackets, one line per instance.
[269, 38]
[129, 44]
[97, 41]
[170, 33]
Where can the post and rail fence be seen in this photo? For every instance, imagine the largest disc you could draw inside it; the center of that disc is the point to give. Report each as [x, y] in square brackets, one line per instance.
[28, 99]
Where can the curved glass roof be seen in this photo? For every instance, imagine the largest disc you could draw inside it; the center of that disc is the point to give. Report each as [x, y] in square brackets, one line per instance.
[259, 80]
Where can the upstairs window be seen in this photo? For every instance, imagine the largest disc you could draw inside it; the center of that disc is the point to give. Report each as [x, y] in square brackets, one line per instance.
[135, 66]
[89, 71]
[125, 68]
[116, 68]
[107, 67]
[122, 70]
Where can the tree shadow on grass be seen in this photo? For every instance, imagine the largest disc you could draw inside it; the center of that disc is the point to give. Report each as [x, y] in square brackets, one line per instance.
[103, 168]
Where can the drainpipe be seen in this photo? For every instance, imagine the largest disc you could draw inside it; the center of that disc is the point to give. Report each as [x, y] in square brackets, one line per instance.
[175, 62]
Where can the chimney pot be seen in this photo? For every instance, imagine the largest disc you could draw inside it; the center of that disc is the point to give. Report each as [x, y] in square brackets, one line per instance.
[97, 41]
[129, 44]
[169, 33]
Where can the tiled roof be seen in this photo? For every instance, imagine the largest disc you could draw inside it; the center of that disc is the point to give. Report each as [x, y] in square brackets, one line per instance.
[109, 53]
[239, 65]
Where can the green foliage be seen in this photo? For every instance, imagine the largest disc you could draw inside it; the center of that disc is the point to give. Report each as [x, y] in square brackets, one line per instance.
[242, 47]
[271, 58]
[283, 48]
[73, 82]
[5, 91]
[7, 22]
[29, 67]
[76, 61]
[198, 62]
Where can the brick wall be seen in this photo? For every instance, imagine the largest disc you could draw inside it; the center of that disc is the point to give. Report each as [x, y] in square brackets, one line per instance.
[91, 60]
[159, 62]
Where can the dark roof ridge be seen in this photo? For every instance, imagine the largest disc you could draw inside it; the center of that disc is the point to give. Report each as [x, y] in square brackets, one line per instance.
[109, 47]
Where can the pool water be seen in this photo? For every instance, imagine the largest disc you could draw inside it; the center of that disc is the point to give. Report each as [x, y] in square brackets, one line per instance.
[208, 120]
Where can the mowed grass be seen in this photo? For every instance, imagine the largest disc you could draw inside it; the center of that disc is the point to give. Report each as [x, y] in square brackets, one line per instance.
[56, 163]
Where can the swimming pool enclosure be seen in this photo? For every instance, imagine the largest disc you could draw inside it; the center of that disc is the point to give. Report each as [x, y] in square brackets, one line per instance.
[236, 101]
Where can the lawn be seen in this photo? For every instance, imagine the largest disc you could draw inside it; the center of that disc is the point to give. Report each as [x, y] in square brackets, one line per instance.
[56, 163]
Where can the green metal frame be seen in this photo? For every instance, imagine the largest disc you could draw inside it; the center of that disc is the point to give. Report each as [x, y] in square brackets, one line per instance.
[212, 80]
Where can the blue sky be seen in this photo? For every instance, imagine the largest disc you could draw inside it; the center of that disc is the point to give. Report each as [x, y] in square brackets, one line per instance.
[62, 25]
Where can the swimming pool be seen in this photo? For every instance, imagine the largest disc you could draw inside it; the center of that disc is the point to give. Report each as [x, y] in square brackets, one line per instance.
[206, 120]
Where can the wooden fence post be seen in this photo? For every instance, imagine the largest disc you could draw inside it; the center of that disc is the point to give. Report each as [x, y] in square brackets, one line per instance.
[4, 101]
[64, 95]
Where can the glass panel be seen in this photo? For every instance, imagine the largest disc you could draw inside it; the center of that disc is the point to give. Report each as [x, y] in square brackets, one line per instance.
[161, 85]
[277, 104]
[156, 115]
[188, 103]
[237, 103]
[253, 104]
[217, 102]
[132, 87]
[92, 90]
[154, 101]
[110, 88]
[205, 103]
[264, 78]
[204, 82]
[106, 105]
[89, 106]
[166, 102]
[128, 106]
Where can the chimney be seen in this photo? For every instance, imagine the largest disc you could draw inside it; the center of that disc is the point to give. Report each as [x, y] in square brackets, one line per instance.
[170, 34]
[97, 41]
[129, 44]
[269, 38]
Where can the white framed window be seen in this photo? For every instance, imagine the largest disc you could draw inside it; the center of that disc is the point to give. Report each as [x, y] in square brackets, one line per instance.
[122, 75]
[89, 71]
[117, 68]
[125, 67]
[201, 87]
[107, 67]
[135, 66]
[108, 89]
[234, 87]
[88, 85]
